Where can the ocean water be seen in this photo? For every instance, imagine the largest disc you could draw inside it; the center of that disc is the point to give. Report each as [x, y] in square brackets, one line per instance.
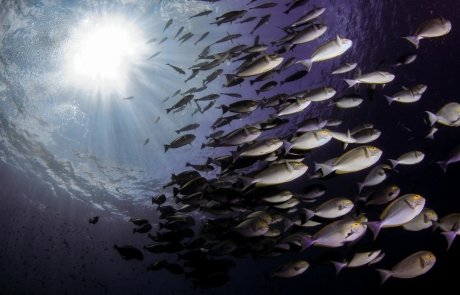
[71, 150]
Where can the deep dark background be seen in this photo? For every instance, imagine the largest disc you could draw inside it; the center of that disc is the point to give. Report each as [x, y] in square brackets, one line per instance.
[51, 248]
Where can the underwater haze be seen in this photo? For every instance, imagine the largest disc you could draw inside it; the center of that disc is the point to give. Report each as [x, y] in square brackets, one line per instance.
[112, 181]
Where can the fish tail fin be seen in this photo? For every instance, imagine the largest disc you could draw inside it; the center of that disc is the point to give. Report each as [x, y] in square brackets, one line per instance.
[224, 109]
[360, 187]
[252, 82]
[435, 225]
[166, 147]
[175, 191]
[338, 266]
[325, 169]
[414, 40]
[309, 214]
[351, 82]
[235, 156]
[188, 164]
[307, 63]
[389, 99]
[431, 134]
[375, 227]
[394, 163]
[287, 147]
[384, 275]
[450, 237]
[257, 91]
[345, 145]
[203, 145]
[247, 182]
[177, 131]
[307, 242]
[443, 165]
[432, 118]
[287, 224]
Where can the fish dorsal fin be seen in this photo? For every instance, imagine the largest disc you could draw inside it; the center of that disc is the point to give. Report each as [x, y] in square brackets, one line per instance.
[405, 88]
[381, 73]
[256, 40]
[338, 41]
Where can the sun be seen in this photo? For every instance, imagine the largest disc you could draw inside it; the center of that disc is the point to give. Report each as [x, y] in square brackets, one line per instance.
[103, 53]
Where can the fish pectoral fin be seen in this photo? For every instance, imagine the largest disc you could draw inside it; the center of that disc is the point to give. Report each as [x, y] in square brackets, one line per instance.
[410, 204]
[289, 167]
[366, 152]
[423, 262]
[426, 219]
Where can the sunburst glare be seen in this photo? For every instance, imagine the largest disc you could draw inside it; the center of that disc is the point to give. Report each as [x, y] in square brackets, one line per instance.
[103, 53]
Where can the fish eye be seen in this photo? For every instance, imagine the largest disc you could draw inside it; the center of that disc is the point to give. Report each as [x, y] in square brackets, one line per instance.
[416, 197]
[394, 187]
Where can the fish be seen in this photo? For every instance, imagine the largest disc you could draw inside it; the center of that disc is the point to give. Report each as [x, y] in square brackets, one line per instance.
[203, 168]
[229, 17]
[147, 140]
[259, 148]
[276, 174]
[154, 55]
[293, 107]
[450, 228]
[331, 209]
[366, 135]
[348, 102]
[407, 95]
[211, 77]
[129, 98]
[239, 136]
[354, 160]
[263, 77]
[309, 16]
[236, 95]
[400, 211]
[376, 176]
[327, 51]
[263, 20]
[287, 64]
[188, 127]
[345, 68]
[291, 269]
[294, 77]
[168, 24]
[266, 87]
[412, 266]
[252, 227]
[162, 40]
[216, 62]
[228, 38]
[177, 69]
[378, 77]
[337, 233]
[202, 38]
[202, 13]
[242, 106]
[422, 221]
[181, 103]
[208, 97]
[128, 252]
[159, 200]
[309, 140]
[151, 40]
[179, 32]
[295, 4]
[406, 59]
[383, 195]
[185, 38]
[247, 20]
[279, 197]
[448, 115]
[94, 220]
[409, 158]
[265, 5]
[452, 157]
[432, 28]
[143, 228]
[359, 259]
[260, 66]
[312, 124]
[180, 142]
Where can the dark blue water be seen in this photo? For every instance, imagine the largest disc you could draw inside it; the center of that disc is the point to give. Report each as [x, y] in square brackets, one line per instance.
[66, 156]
